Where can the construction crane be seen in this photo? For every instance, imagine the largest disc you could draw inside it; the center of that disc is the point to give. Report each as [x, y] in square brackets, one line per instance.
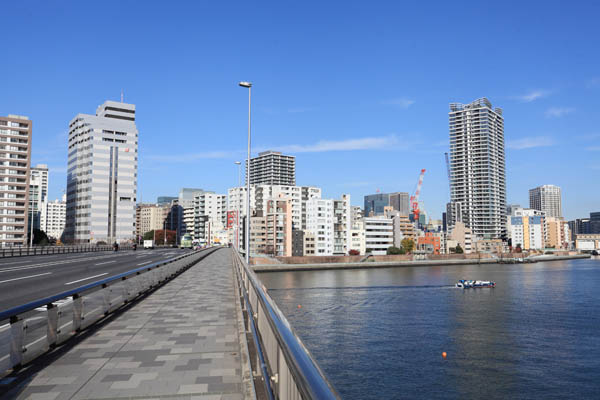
[414, 200]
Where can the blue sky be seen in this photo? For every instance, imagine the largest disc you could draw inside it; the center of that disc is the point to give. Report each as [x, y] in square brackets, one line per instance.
[357, 91]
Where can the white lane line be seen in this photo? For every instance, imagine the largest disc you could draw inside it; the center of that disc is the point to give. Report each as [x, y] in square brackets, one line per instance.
[147, 262]
[106, 262]
[85, 279]
[25, 277]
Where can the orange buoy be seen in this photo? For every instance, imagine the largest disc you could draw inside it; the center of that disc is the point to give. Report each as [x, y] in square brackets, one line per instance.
[299, 306]
[444, 354]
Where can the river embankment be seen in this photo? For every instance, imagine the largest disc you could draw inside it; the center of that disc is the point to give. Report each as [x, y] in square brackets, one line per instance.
[369, 264]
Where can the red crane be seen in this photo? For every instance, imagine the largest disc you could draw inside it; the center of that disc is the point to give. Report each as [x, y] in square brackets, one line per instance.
[414, 200]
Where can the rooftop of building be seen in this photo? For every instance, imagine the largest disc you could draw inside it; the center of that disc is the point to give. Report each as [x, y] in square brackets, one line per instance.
[479, 103]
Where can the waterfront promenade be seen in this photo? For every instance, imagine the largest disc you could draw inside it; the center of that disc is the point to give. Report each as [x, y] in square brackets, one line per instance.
[185, 340]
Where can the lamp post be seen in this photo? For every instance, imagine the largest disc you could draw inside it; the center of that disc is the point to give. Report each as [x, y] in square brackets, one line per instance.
[237, 207]
[249, 86]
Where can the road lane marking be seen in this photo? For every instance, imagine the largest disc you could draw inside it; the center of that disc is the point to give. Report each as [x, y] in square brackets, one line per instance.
[53, 263]
[147, 262]
[25, 277]
[106, 262]
[85, 279]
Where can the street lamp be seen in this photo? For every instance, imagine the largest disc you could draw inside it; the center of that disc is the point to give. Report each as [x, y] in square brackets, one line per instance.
[237, 207]
[249, 86]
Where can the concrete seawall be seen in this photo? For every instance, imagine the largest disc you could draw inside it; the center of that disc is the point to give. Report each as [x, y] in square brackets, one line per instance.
[394, 264]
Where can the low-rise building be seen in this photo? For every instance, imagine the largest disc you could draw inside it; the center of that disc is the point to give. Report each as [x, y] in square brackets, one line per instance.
[357, 238]
[588, 242]
[52, 219]
[379, 235]
[279, 227]
[297, 242]
[463, 236]
[309, 244]
[527, 229]
[557, 233]
[495, 246]
[319, 222]
[429, 241]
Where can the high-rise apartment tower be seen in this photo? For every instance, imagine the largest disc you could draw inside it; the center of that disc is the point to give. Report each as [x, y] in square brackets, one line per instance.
[477, 166]
[15, 160]
[272, 168]
[546, 198]
[102, 175]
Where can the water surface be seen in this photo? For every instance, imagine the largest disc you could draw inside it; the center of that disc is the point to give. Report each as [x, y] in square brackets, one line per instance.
[379, 334]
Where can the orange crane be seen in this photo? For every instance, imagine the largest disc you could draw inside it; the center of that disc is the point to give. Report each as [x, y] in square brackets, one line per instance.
[414, 200]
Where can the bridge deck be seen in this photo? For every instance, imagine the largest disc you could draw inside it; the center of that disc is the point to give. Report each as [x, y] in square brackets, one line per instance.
[182, 341]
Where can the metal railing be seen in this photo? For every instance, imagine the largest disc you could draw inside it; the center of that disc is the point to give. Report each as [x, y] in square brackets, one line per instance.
[288, 369]
[30, 330]
[45, 250]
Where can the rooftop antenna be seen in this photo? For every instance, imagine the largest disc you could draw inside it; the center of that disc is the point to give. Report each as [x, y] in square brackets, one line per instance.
[121, 95]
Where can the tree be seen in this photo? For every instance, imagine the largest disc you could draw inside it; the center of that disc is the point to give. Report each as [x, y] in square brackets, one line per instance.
[149, 235]
[354, 252]
[458, 249]
[407, 245]
[392, 250]
[518, 249]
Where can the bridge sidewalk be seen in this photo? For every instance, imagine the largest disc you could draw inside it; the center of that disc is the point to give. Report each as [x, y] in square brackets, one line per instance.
[181, 342]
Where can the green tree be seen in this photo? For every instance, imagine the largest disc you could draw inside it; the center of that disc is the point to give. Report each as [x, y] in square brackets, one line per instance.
[407, 245]
[149, 235]
[394, 250]
[458, 249]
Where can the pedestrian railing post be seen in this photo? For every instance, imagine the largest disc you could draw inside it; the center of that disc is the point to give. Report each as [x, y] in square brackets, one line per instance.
[52, 324]
[16, 343]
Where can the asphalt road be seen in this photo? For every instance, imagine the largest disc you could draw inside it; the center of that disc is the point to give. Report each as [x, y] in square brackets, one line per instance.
[31, 278]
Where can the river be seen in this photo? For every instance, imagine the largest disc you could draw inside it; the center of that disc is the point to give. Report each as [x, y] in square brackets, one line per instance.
[380, 333]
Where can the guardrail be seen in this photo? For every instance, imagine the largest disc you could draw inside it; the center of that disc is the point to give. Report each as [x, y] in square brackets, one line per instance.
[38, 326]
[45, 250]
[288, 369]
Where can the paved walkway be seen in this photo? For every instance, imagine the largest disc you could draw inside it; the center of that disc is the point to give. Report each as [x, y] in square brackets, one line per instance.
[181, 342]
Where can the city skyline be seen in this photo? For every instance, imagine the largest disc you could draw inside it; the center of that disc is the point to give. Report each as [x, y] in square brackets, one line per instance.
[357, 124]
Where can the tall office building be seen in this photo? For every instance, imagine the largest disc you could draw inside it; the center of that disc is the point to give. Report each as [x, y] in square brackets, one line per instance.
[38, 194]
[102, 175]
[546, 198]
[15, 160]
[477, 167]
[400, 201]
[375, 203]
[272, 168]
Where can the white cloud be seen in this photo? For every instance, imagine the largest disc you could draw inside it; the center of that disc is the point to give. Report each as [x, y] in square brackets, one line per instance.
[533, 95]
[368, 143]
[530, 142]
[400, 102]
[556, 112]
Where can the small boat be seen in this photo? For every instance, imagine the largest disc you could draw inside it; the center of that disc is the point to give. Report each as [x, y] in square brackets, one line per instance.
[465, 284]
